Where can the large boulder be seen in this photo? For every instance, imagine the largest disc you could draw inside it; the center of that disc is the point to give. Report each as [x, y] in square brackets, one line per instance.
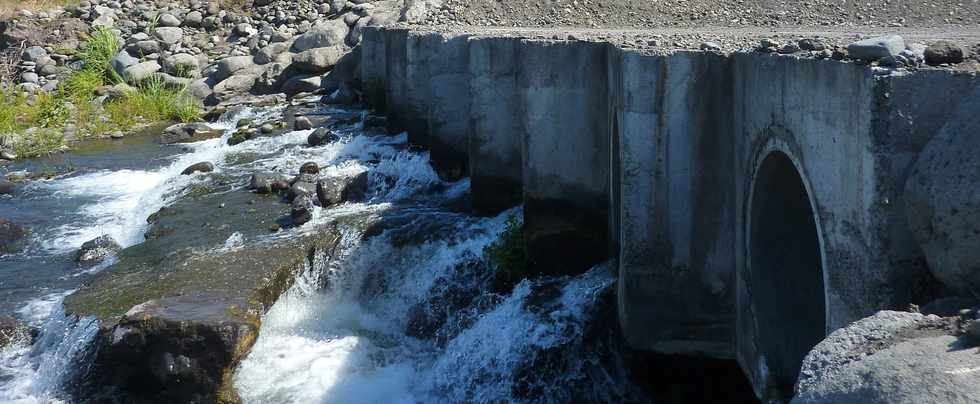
[231, 65]
[234, 85]
[894, 358]
[330, 33]
[267, 183]
[97, 250]
[876, 48]
[943, 52]
[269, 52]
[188, 132]
[318, 60]
[335, 190]
[943, 200]
[202, 167]
[302, 83]
[10, 236]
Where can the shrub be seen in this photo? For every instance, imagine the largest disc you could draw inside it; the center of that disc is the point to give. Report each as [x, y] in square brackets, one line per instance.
[507, 253]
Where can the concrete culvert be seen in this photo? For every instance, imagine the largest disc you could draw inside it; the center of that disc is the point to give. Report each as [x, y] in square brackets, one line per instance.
[786, 276]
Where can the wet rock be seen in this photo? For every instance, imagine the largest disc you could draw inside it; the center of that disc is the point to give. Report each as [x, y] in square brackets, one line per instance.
[301, 209]
[322, 136]
[13, 331]
[335, 190]
[891, 357]
[267, 183]
[188, 132]
[303, 184]
[202, 167]
[944, 52]
[267, 128]
[941, 197]
[10, 236]
[309, 168]
[97, 250]
[343, 95]
[7, 187]
[302, 123]
[7, 154]
[872, 49]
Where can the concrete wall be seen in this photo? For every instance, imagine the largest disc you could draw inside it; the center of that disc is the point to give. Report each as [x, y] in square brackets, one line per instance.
[651, 159]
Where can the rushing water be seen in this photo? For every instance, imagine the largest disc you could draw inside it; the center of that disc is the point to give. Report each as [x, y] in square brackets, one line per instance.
[410, 314]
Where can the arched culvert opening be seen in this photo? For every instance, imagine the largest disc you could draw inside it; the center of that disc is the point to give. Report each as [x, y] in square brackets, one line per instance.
[787, 290]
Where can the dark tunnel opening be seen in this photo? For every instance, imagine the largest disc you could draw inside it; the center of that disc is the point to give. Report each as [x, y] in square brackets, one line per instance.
[786, 275]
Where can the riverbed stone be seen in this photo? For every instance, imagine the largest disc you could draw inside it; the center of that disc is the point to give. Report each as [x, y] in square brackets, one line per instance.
[267, 183]
[322, 136]
[7, 187]
[181, 65]
[96, 250]
[121, 61]
[14, 331]
[231, 65]
[168, 20]
[140, 72]
[301, 209]
[318, 60]
[188, 132]
[169, 35]
[202, 167]
[339, 189]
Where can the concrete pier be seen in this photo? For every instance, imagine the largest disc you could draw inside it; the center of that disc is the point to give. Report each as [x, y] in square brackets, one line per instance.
[752, 201]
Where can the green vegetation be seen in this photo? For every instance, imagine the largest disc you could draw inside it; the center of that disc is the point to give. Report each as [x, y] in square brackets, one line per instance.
[35, 124]
[508, 255]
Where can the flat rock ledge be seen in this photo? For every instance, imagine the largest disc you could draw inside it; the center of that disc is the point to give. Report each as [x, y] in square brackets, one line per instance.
[179, 311]
[892, 357]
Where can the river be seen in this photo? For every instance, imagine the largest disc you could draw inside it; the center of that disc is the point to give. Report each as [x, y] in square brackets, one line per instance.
[409, 314]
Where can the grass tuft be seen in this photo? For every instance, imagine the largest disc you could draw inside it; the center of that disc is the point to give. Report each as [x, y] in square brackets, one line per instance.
[508, 254]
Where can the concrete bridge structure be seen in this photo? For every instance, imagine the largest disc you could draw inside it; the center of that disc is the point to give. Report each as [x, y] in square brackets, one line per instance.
[753, 202]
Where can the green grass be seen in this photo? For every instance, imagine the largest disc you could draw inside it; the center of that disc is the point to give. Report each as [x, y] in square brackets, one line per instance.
[74, 102]
[508, 254]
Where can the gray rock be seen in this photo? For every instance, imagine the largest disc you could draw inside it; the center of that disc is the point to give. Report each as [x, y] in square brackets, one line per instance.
[941, 197]
[301, 209]
[244, 30]
[943, 52]
[202, 167]
[181, 65]
[146, 47]
[891, 357]
[97, 250]
[710, 46]
[140, 71]
[876, 48]
[336, 190]
[306, 185]
[48, 70]
[303, 83]
[811, 44]
[318, 60]
[331, 33]
[267, 128]
[50, 86]
[121, 61]
[302, 123]
[13, 331]
[29, 77]
[231, 65]
[321, 136]
[200, 88]
[33, 53]
[104, 21]
[338, 6]
[169, 35]
[267, 183]
[269, 52]
[188, 132]
[234, 85]
[193, 19]
[309, 167]
[168, 20]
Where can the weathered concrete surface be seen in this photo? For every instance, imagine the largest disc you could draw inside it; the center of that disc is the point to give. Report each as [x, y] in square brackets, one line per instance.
[753, 201]
[449, 109]
[495, 140]
[178, 311]
[676, 235]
